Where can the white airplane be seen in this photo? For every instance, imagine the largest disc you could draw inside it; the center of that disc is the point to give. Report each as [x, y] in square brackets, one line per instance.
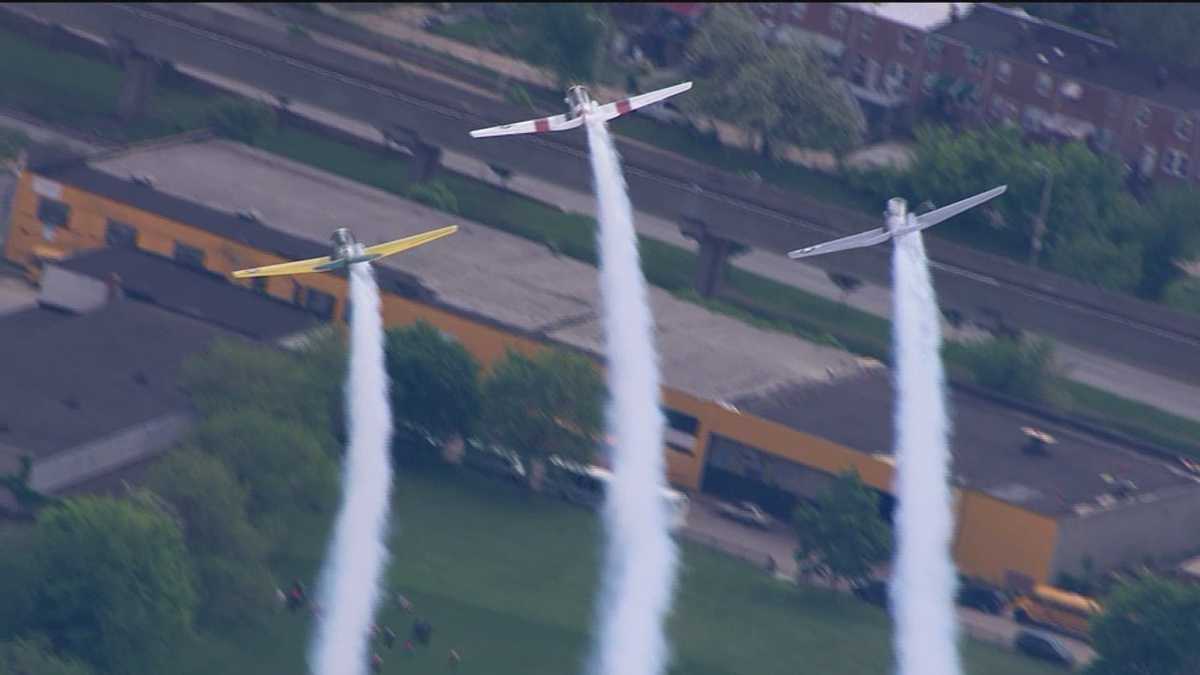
[581, 106]
[898, 222]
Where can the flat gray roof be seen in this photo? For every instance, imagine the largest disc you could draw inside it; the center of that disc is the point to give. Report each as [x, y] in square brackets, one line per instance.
[511, 280]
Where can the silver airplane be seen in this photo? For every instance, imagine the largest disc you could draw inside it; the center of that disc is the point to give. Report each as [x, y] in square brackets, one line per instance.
[897, 222]
[581, 106]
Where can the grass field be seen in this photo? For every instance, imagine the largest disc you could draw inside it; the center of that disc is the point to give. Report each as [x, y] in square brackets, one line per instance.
[80, 92]
[507, 579]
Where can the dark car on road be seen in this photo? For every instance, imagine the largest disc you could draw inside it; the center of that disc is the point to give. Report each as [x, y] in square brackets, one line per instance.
[982, 598]
[1043, 647]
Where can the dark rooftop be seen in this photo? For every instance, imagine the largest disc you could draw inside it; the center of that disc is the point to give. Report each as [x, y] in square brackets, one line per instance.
[70, 378]
[1084, 57]
[986, 438]
[146, 277]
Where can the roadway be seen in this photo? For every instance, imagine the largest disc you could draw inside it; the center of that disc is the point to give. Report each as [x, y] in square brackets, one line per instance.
[375, 93]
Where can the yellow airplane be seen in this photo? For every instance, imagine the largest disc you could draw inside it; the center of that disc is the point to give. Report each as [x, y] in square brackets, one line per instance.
[346, 252]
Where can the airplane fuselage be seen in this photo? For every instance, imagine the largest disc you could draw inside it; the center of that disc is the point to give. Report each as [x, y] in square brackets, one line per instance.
[346, 251]
[896, 215]
[579, 101]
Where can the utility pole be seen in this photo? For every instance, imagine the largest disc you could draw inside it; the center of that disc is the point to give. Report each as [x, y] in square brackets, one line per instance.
[1039, 225]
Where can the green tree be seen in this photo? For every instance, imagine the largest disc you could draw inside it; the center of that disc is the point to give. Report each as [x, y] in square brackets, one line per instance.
[548, 404]
[303, 388]
[435, 381]
[1022, 368]
[1184, 294]
[1148, 627]
[11, 143]
[1170, 228]
[781, 94]
[229, 556]
[115, 587]
[284, 468]
[18, 575]
[842, 535]
[36, 657]
[241, 121]
[567, 37]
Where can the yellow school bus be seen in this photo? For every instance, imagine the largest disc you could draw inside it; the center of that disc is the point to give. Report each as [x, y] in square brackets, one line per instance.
[1056, 609]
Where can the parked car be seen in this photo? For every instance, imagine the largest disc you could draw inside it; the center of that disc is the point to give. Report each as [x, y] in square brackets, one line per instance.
[747, 513]
[874, 593]
[982, 598]
[1044, 647]
[494, 461]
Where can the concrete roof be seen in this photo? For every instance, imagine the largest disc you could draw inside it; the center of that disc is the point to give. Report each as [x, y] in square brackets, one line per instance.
[513, 281]
[919, 15]
[986, 440]
[69, 379]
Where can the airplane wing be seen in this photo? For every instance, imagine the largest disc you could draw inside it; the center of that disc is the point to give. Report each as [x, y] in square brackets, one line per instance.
[406, 243]
[538, 126]
[868, 238]
[938, 215]
[618, 108]
[296, 267]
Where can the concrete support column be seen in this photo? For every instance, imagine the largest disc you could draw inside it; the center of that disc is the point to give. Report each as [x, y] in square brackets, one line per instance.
[426, 157]
[714, 251]
[137, 86]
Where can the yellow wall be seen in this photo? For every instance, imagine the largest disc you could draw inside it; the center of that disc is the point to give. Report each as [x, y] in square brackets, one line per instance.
[995, 536]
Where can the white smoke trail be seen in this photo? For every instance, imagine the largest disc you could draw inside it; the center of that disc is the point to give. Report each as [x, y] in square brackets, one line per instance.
[350, 581]
[924, 579]
[639, 575]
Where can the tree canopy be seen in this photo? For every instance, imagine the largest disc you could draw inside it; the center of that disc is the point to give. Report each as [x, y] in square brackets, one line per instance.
[842, 535]
[548, 404]
[36, 657]
[782, 94]
[1148, 627]
[115, 586]
[568, 37]
[435, 381]
[1021, 368]
[229, 556]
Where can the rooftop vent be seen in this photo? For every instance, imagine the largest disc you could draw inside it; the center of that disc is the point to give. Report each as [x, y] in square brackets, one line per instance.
[1059, 53]
[142, 179]
[250, 215]
[1121, 487]
[1042, 59]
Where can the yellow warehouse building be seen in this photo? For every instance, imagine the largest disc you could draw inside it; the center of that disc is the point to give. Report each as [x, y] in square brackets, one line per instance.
[753, 413]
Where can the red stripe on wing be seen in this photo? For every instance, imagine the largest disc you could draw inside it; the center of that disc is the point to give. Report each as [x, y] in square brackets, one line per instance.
[541, 126]
[623, 106]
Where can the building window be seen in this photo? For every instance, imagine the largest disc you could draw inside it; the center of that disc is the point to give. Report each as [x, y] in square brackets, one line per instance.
[53, 213]
[929, 83]
[1183, 127]
[1143, 116]
[1149, 154]
[868, 29]
[837, 19]
[319, 303]
[189, 256]
[934, 46]
[799, 9]
[120, 235]
[1175, 163]
[898, 77]
[1004, 71]
[975, 58]
[908, 41]
[1044, 84]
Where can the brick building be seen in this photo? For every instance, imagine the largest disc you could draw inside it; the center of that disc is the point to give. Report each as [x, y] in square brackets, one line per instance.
[999, 65]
